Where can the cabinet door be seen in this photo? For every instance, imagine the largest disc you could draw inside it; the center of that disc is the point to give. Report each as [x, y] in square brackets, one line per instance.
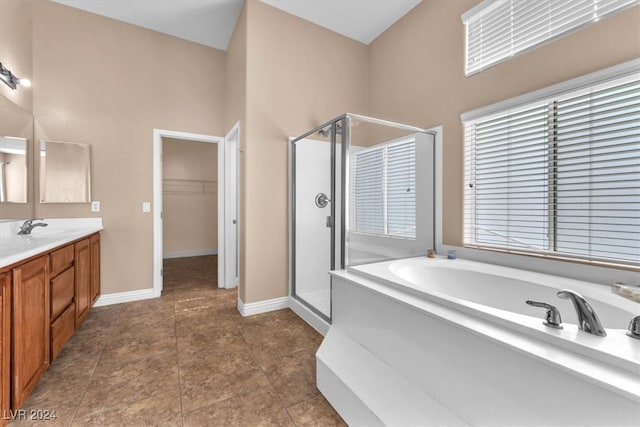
[95, 267]
[30, 327]
[83, 279]
[5, 344]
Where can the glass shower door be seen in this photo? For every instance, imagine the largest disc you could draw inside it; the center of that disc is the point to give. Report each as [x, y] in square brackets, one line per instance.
[314, 212]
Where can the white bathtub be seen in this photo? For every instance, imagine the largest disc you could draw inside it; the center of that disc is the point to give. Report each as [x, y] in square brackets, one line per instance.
[457, 338]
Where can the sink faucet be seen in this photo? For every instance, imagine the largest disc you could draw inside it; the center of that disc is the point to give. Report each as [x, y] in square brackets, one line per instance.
[29, 225]
[587, 319]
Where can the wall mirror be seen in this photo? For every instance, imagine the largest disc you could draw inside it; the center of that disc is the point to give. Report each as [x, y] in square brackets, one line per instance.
[13, 169]
[16, 132]
[65, 172]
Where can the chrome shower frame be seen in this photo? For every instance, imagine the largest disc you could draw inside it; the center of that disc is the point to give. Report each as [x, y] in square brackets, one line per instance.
[341, 125]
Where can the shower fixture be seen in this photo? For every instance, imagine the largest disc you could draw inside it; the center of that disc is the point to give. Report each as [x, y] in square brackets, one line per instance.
[322, 200]
[326, 132]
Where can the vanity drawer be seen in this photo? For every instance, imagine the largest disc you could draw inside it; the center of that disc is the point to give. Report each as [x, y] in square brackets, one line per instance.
[61, 260]
[61, 330]
[62, 290]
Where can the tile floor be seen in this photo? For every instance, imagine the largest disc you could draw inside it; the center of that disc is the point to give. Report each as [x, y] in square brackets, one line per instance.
[185, 359]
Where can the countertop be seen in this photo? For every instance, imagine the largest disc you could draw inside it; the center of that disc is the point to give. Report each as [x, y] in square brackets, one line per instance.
[15, 248]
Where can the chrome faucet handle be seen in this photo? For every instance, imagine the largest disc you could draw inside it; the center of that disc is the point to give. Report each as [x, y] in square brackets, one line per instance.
[28, 225]
[587, 318]
[30, 221]
[634, 327]
[552, 318]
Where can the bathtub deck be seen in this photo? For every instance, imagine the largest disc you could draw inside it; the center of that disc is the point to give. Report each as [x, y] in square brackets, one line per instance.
[465, 362]
[387, 398]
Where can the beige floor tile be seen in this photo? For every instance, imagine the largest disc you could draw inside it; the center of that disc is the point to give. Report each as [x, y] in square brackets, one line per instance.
[315, 412]
[210, 378]
[115, 382]
[257, 407]
[189, 357]
[219, 304]
[279, 338]
[160, 410]
[211, 340]
[293, 377]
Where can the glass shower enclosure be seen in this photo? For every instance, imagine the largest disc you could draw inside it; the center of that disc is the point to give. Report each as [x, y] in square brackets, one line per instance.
[361, 190]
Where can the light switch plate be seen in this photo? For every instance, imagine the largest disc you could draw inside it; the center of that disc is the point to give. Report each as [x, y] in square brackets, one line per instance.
[95, 206]
[146, 207]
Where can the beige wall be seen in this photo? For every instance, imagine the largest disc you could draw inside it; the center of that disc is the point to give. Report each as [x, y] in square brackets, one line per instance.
[16, 106]
[190, 197]
[109, 84]
[15, 48]
[298, 76]
[417, 77]
[235, 107]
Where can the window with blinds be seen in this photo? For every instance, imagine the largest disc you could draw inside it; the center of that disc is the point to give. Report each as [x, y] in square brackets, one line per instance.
[383, 190]
[559, 177]
[496, 30]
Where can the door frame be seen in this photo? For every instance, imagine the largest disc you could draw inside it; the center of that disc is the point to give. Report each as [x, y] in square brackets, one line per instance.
[158, 134]
[232, 208]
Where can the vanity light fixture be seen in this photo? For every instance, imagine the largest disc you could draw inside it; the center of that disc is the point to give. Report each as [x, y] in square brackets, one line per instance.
[11, 79]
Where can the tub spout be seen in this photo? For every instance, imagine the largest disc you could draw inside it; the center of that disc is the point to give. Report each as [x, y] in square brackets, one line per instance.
[587, 318]
[634, 327]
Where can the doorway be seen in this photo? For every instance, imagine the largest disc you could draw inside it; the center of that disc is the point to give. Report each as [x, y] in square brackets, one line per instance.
[226, 196]
[189, 203]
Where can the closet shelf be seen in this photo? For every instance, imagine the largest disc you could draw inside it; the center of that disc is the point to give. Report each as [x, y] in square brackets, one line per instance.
[179, 187]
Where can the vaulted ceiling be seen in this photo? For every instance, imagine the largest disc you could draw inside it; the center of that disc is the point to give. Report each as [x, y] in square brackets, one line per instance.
[211, 22]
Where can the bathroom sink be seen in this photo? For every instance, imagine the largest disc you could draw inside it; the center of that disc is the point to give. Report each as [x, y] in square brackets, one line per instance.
[15, 247]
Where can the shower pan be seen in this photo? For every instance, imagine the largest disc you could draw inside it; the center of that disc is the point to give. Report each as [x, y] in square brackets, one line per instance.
[361, 190]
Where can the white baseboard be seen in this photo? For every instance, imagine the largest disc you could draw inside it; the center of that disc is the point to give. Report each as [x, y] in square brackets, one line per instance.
[121, 297]
[187, 254]
[252, 308]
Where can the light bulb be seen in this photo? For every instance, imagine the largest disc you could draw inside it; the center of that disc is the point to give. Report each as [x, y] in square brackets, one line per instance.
[25, 82]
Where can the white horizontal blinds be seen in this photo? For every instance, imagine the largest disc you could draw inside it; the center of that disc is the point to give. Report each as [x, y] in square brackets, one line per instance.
[470, 213]
[499, 29]
[507, 199]
[383, 190]
[488, 36]
[368, 192]
[561, 176]
[598, 173]
[401, 190]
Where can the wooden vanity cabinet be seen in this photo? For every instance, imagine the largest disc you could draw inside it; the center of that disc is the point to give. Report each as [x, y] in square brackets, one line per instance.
[83, 279]
[94, 241]
[30, 327]
[62, 298]
[5, 345]
[43, 301]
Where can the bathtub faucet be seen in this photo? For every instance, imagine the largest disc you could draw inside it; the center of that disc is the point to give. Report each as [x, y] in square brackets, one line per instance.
[587, 318]
[552, 318]
[28, 225]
